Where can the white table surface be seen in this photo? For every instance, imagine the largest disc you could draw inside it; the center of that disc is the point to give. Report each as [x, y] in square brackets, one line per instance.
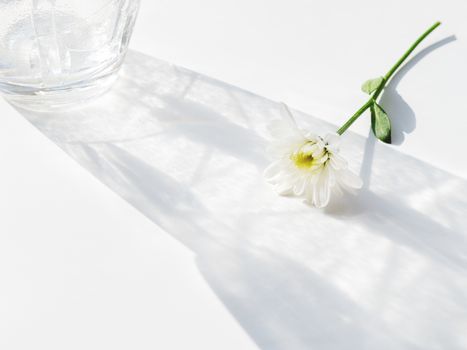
[80, 267]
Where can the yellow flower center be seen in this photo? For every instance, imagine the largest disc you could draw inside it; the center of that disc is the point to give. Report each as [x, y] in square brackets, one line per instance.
[303, 156]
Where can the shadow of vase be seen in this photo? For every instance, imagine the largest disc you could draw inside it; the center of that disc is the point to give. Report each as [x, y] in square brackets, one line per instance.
[188, 152]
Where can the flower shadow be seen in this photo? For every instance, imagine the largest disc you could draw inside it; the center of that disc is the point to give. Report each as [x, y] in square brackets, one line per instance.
[188, 151]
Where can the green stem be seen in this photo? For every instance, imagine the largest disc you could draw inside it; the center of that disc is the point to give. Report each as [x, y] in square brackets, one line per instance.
[388, 76]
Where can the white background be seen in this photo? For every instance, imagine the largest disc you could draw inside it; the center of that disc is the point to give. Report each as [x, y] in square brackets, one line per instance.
[81, 268]
[315, 55]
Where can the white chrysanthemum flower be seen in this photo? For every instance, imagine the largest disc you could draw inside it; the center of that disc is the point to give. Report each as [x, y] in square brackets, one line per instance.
[306, 164]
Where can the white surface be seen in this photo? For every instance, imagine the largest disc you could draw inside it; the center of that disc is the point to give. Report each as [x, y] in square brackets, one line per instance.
[316, 54]
[80, 268]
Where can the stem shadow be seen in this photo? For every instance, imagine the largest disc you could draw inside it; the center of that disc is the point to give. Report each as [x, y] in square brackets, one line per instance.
[402, 115]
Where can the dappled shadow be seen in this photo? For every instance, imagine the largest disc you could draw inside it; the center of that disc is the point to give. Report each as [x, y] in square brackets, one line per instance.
[188, 152]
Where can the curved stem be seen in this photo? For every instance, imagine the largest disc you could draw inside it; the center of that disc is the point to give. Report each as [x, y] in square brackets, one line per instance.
[410, 50]
[388, 76]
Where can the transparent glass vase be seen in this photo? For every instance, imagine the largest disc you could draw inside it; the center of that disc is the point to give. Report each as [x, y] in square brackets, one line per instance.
[58, 53]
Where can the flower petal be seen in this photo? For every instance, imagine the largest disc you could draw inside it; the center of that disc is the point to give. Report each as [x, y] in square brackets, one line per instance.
[299, 187]
[322, 191]
[309, 190]
[279, 128]
[287, 115]
[310, 136]
[333, 140]
[337, 161]
[284, 188]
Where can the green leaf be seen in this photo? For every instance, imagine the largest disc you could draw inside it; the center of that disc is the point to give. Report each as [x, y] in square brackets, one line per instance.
[372, 85]
[380, 123]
